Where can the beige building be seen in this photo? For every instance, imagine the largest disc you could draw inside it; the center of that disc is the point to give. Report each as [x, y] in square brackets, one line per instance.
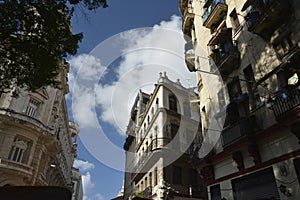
[253, 45]
[77, 184]
[159, 134]
[37, 141]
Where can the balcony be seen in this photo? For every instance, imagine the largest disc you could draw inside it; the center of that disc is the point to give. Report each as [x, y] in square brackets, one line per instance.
[226, 59]
[224, 54]
[263, 18]
[17, 166]
[238, 120]
[188, 20]
[155, 145]
[190, 61]
[285, 102]
[190, 56]
[232, 133]
[183, 4]
[27, 120]
[215, 11]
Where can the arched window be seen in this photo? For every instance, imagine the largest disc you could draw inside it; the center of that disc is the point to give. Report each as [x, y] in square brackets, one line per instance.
[155, 177]
[150, 179]
[142, 185]
[172, 103]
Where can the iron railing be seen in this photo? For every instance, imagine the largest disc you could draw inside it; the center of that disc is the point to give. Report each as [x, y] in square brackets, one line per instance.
[285, 101]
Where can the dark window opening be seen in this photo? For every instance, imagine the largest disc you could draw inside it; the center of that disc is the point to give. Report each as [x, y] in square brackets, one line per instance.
[234, 89]
[193, 179]
[235, 21]
[155, 177]
[258, 185]
[145, 100]
[177, 175]
[254, 97]
[215, 192]
[175, 141]
[297, 168]
[172, 103]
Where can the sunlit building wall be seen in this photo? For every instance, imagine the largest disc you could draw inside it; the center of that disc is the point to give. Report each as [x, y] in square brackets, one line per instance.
[253, 49]
[162, 126]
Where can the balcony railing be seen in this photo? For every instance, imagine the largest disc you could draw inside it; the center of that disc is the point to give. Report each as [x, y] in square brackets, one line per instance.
[263, 19]
[227, 59]
[156, 144]
[215, 11]
[15, 165]
[190, 61]
[147, 192]
[236, 131]
[190, 56]
[285, 101]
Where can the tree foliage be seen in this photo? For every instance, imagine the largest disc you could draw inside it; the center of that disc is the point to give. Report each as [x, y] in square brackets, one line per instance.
[35, 35]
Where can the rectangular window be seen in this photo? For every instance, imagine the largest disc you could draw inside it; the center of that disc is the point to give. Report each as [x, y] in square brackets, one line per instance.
[193, 178]
[235, 21]
[172, 103]
[155, 177]
[150, 179]
[177, 175]
[20, 151]
[297, 167]
[215, 192]
[175, 140]
[32, 108]
[234, 88]
[254, 97]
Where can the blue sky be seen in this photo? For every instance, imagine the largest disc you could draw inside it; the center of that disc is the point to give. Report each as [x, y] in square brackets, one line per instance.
[101, 181]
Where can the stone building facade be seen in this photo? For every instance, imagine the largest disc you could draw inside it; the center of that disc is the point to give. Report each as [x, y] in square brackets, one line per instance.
[252, 46]
[37, 141]
[77, 184]
[160, 131]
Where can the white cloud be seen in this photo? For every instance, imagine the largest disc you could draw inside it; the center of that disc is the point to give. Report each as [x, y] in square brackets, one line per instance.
[83, 165]
[98, 197]
[89, 67]
[144, 53]
[85, 69]
[140, 67]
[87, 183]
[94, 197]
